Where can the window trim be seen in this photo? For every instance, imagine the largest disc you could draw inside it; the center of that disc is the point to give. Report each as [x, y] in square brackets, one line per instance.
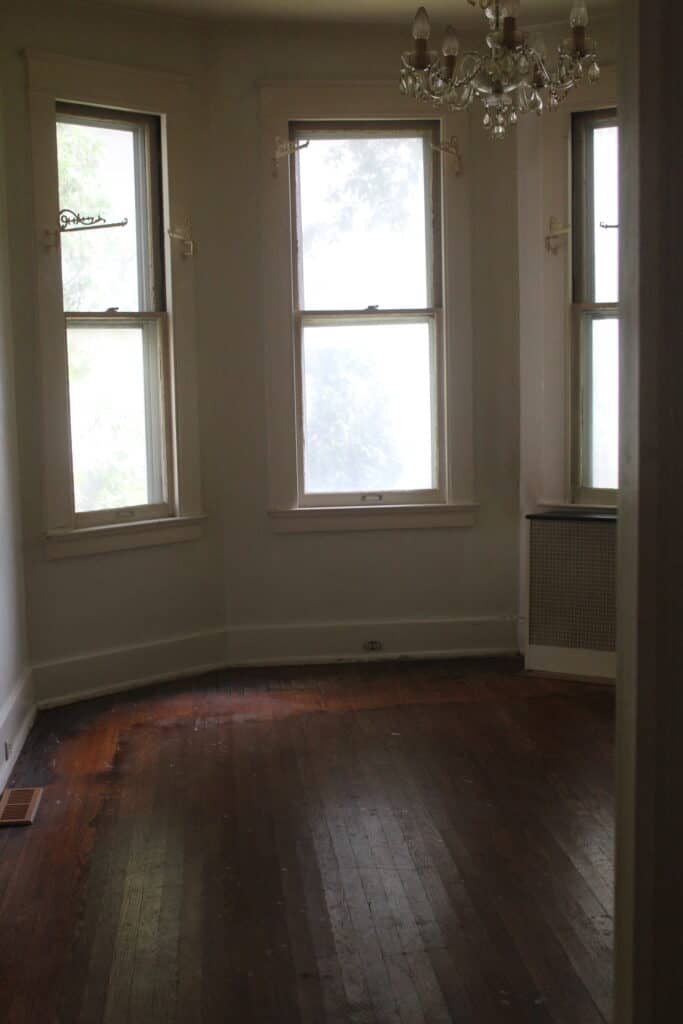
[548, 364]
[282, 105]
[52, 79]
[583, 122]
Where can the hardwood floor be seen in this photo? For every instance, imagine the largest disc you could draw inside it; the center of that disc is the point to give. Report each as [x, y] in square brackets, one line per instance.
[392, 842]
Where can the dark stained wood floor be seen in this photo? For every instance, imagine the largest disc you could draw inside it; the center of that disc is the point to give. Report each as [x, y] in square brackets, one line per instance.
[393, 842]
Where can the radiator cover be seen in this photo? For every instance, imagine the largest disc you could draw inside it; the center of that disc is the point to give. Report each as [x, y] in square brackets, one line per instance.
[572, 582]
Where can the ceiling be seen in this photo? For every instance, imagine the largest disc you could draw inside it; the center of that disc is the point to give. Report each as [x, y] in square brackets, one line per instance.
[457, 12]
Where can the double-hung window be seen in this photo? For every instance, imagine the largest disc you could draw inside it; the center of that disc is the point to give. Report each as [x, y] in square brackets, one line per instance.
[112, 276]
[595, 283]
[367, 313]
[112, 161]
[369, 356]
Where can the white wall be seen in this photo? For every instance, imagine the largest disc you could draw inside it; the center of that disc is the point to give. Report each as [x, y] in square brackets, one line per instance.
[235, 594]
[16, 703]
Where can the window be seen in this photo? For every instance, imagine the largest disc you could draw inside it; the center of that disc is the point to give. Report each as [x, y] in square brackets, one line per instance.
[113, 297]
[595, 139]
[367, 313]
[112, 158]
[369, 359]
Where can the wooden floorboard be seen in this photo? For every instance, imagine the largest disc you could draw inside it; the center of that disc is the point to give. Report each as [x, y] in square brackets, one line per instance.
[409, 843]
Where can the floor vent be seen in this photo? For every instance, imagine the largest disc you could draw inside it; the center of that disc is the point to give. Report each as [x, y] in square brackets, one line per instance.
[19, 806]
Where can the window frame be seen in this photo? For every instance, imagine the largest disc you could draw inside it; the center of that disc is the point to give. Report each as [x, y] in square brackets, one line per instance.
[103, 88]
[153, 510]
[148, 168]
[148, 151]
[432, 314]
[584, 309]
[284, 106]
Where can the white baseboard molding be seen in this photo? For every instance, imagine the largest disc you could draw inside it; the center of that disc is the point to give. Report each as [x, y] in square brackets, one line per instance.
[570, 661]
[91, 675]
[17, 715]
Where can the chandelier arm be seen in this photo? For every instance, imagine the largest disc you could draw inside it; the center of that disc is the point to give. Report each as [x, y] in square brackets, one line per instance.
[468, 76]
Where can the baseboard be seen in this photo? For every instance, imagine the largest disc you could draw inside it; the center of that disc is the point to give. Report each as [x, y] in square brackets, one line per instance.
[17, 715]
[91, 675]
[572, 662]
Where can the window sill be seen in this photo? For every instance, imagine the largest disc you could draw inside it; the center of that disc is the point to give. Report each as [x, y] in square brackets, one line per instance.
[577, 506]
[389, 517]
[95, 540]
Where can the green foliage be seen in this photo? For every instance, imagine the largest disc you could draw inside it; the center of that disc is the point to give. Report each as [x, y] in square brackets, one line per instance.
[81, 152]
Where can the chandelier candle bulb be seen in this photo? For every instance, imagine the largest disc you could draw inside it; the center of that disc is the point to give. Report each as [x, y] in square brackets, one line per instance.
[578, 16]
[421, 31]
[450, 51]
[450, 43]
[421, 25]
[578, 21]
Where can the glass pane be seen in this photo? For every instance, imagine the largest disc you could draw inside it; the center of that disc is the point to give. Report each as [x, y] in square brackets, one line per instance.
[606, 199]
[100, 268]
[115, 415]
[363, 228]
[368, 408]
[604, 405]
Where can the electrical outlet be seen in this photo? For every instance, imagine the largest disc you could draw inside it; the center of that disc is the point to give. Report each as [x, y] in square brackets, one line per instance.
[373, 645]
[8, 749]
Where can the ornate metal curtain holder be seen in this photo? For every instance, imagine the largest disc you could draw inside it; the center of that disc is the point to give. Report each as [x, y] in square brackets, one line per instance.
[69, 220]
[557, 232]
[451, 148]
[184, 236]
[284, 148]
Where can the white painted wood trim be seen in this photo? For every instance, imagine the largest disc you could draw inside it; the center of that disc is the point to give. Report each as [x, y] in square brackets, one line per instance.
[283, 102]
[17, 715]
[391, 517]
[571, 661]
[95, 540]
[555, 200]
[109, 671]
[53, 77]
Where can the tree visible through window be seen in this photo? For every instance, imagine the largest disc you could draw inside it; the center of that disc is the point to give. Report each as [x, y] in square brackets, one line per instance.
[112, 287]
[366, 312]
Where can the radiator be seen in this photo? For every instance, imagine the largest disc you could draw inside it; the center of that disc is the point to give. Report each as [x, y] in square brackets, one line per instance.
[572, 594]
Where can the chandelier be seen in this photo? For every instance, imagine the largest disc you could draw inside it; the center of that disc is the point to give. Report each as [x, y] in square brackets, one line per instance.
[511, 77]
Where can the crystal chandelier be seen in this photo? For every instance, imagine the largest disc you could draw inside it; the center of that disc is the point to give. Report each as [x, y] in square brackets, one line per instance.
[511, 77]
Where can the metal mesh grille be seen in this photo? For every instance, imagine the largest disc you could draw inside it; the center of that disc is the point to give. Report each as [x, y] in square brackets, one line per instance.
[573, 585]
